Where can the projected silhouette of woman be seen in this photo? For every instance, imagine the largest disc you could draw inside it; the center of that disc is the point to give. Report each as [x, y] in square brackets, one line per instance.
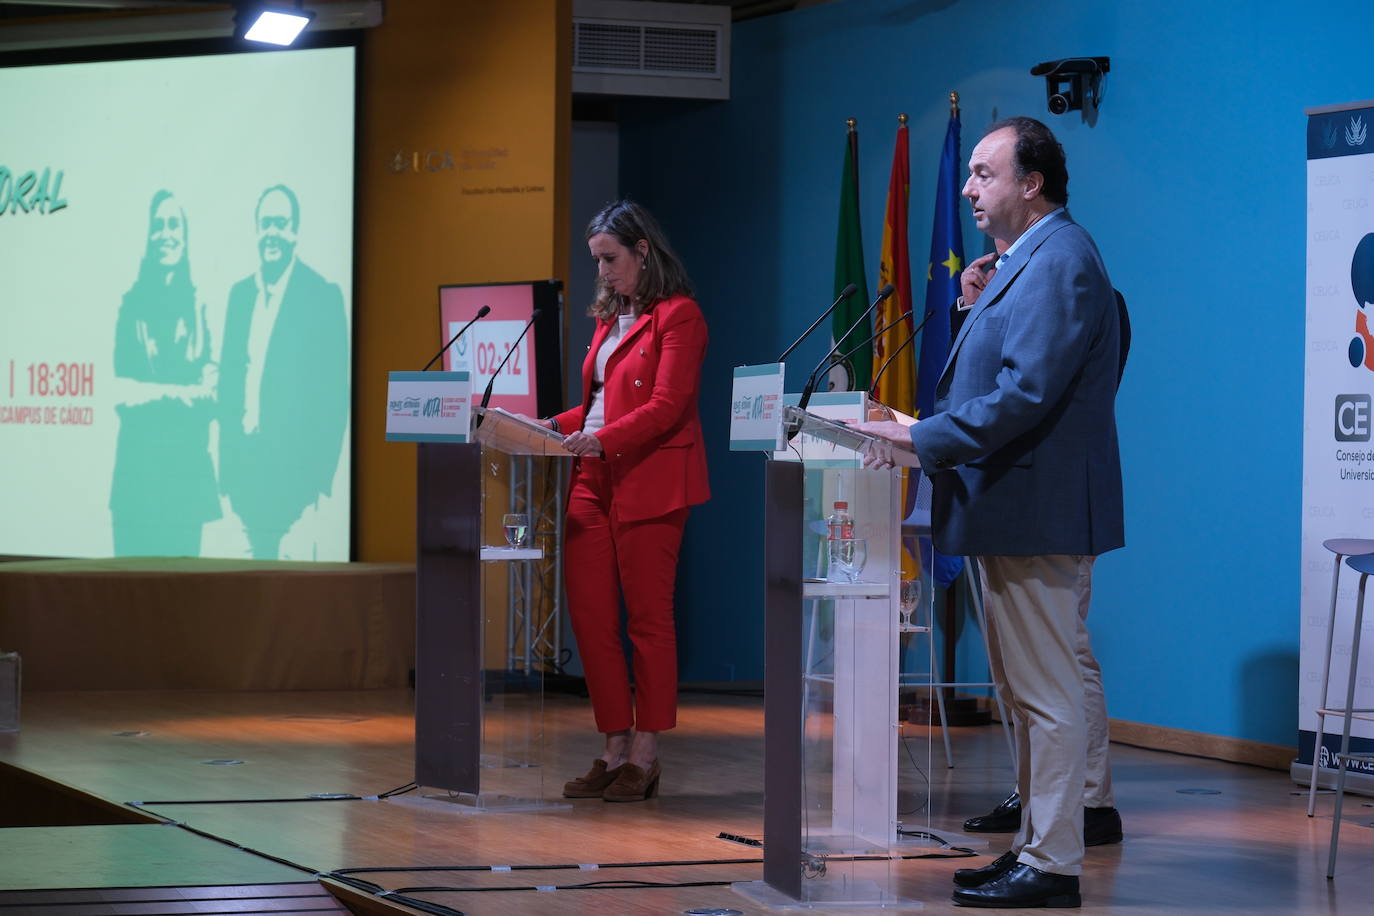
[164, 489]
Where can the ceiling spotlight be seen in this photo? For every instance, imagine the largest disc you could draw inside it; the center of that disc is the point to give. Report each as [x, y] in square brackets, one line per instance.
[276, 24]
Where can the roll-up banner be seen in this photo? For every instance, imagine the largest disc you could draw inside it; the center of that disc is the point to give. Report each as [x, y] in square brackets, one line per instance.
[1338, 449]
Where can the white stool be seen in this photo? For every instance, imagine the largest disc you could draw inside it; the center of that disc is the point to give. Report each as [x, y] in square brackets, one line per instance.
[1342, 548]
[1364, 565]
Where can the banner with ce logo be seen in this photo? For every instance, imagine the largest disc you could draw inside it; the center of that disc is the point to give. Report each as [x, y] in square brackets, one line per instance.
[1338, 451]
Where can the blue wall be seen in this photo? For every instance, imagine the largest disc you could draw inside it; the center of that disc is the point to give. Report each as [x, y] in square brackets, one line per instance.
[1192, 182]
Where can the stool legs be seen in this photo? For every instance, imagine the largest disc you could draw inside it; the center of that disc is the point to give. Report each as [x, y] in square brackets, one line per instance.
[1341, 761]
[1326, 674]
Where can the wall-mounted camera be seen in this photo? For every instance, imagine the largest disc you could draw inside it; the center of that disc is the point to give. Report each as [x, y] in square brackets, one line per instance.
[1073, 83]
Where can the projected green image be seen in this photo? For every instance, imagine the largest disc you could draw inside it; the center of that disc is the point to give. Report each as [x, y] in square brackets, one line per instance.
[164, 490]
[285, 361]
[280, 418]
[175, 357]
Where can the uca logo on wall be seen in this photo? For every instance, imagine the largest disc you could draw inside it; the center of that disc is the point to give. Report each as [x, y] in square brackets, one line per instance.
[1361, 350]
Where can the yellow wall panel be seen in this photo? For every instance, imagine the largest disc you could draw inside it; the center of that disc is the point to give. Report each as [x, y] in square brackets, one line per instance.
[462, 178]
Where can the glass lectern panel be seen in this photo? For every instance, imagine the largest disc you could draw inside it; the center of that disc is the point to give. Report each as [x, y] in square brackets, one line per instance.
[513, 774]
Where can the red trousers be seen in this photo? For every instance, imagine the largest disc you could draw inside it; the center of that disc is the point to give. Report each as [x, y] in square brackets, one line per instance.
[604, 559]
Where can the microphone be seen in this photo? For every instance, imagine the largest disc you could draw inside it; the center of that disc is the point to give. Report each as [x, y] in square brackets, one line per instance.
[906, 343]
[481, 313]
[872, 337]
[486, 395]
[845, 293]
[811, 380]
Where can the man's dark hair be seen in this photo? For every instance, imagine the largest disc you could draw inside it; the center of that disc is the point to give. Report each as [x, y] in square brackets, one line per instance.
[1038, 151]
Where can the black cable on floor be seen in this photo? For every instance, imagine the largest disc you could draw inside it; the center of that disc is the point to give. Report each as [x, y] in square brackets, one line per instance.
[355, 883]
[381, 893]
[588, 886]
[247, 801]
[322, 797]
[555, 867]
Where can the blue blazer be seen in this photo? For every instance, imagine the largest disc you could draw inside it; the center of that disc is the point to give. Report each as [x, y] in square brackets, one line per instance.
[1021, 446]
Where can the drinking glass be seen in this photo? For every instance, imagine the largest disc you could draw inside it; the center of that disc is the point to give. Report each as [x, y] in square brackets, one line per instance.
[908, 598]
[847, 557]
[517, 525]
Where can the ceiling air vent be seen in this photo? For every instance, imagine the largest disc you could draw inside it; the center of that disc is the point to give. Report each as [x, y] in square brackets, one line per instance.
[675, 50]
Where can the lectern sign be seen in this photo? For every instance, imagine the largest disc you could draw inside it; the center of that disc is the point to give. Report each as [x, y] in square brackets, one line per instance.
[756, 408]
[428, 407]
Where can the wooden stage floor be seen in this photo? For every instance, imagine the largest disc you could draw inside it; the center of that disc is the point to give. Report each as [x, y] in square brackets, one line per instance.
[1249, 848]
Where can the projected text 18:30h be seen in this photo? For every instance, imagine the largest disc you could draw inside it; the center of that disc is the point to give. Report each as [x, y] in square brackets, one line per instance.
[63, 380]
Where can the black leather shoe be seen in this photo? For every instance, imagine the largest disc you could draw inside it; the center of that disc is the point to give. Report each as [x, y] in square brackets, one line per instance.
[1101, 826]
[977, 877]
[1005, 818]
[1023, 886]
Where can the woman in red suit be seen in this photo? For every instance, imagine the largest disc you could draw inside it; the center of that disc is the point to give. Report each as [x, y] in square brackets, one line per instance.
[641, 463]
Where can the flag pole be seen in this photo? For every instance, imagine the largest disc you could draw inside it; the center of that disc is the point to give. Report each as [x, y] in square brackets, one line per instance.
[953, 104]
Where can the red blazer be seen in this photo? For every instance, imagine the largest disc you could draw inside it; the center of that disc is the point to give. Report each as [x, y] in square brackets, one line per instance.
[652, 438]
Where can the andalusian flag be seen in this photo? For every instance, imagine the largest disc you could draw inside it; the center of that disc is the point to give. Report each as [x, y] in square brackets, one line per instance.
[855, 372]
[942, 288]
[896, 387]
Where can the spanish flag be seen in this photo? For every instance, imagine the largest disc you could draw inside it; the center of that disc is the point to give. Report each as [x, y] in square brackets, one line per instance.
[896, 386]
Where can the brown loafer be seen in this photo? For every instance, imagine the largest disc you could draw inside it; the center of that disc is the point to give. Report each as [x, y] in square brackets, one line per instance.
[633, 784]
[594, 783]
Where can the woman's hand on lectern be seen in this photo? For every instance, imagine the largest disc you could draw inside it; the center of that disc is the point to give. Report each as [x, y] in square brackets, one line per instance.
[583, 444]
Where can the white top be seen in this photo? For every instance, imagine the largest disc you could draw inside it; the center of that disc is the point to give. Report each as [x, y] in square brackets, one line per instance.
[265, 311]
[596, 410]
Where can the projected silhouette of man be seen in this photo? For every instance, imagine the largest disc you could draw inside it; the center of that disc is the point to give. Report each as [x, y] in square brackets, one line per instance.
[283, 382]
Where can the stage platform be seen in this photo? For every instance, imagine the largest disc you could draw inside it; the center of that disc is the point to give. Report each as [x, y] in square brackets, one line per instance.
[1247, 849]
[155, 623]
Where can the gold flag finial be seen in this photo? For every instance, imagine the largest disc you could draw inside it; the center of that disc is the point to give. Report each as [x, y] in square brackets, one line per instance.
[852, 124]
[901, 119]
[953, 104]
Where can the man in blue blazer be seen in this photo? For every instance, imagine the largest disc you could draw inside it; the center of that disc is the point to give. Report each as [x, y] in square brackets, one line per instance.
[1022, 453]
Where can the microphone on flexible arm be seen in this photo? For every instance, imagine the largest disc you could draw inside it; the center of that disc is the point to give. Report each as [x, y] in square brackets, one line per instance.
[872, 337]
[906, 343]
[486, 395]
[481, 313]
[845, 293]
[811, 380]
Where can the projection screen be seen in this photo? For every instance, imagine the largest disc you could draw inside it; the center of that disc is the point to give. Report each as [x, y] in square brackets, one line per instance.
[176, 239]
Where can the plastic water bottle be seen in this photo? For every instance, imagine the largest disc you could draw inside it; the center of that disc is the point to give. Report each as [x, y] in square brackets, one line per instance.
[840, 524]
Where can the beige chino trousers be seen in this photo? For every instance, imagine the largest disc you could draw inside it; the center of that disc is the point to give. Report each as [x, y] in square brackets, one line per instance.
[1051, 684]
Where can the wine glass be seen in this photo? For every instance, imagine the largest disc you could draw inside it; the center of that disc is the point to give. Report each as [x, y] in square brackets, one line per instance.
[908, 598]
[517, 527]
[847, 557]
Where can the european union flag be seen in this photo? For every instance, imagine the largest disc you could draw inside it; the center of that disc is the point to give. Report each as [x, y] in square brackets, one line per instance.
[942, 288]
